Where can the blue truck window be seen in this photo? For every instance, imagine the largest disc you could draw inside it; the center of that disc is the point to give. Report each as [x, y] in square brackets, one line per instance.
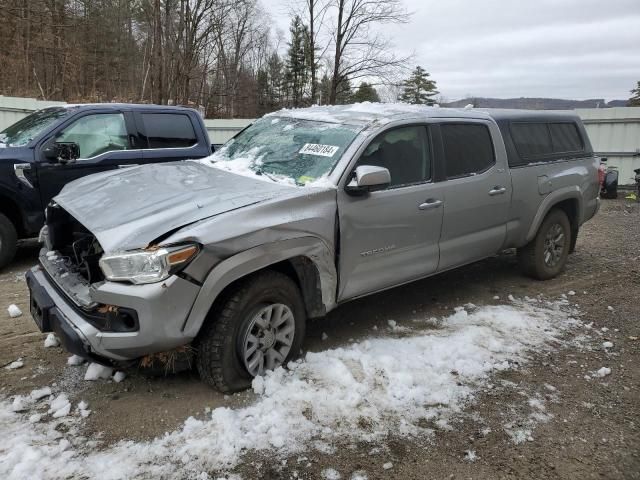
[97, 134]
[166, 130]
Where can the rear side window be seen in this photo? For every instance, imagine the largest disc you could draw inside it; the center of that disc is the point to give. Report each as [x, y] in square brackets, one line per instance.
[546, 141]
[531, 139]
[468, 149]
[565, 137]
[167, 130]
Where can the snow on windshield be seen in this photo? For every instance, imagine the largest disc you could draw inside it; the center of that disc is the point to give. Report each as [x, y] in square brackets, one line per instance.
[26, 129]
[291, 151]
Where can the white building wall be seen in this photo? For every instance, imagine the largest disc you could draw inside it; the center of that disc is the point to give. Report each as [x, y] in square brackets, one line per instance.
[615, 134]
[222, 130]
[13, 109]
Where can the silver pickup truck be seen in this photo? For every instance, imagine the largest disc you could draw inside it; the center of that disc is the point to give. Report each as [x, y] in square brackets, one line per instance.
[300, 212]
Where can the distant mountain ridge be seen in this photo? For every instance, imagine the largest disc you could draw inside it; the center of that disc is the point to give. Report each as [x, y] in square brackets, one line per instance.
[535, 103]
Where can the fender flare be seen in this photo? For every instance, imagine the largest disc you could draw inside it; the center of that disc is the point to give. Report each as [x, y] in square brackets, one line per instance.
[566, 193]
[258, 258]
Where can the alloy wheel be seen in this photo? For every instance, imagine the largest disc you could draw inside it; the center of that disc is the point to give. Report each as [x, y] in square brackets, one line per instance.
[268, 338]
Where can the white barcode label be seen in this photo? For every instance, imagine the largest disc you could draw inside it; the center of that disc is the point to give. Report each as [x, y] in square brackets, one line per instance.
[316, 149]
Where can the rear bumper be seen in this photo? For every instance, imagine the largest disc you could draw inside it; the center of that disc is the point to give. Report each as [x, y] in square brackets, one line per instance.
[162, 311]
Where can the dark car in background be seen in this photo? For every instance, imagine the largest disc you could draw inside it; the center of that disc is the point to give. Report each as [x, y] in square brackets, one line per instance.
[51, 147]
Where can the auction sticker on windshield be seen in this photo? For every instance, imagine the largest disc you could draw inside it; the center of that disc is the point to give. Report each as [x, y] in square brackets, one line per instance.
[317, 149]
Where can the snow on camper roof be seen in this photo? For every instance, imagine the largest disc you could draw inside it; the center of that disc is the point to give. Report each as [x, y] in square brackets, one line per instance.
[367, 112]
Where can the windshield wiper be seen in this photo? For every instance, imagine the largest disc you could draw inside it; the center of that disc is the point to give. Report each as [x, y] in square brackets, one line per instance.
[259, 171]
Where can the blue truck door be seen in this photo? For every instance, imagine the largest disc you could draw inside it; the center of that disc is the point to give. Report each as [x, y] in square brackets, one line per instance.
[106, 140]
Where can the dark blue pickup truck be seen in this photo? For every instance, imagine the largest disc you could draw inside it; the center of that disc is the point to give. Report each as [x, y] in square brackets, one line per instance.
[51, 147]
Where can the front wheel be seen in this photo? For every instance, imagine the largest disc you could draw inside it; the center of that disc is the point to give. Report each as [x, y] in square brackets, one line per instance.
[546, 255]
[258, 326]
[8, 240]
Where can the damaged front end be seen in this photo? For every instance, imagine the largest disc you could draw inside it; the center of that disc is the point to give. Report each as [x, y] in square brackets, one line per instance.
[113, 322]
[71, 260]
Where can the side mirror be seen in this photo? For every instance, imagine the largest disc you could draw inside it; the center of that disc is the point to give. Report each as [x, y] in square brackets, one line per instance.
[368, 178]
[62, 152]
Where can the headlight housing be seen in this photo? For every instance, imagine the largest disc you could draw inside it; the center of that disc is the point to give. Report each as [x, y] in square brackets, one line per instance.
[147, 266]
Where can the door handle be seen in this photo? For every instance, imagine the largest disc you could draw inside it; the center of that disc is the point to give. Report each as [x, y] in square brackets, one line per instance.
[430, 203]
[497, 190]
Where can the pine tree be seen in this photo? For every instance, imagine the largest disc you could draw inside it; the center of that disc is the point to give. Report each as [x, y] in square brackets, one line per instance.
[312, 63]
[343, 92]
[634, 101]
[365, 93]
[419, 89]
[270, 82]
[324, 88]
[297, 72]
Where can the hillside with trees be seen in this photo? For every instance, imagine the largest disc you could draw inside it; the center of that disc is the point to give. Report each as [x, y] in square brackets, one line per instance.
[221, 56]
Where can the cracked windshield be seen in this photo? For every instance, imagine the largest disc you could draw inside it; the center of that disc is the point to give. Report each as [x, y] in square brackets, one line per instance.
[286, 150]
[22, 132]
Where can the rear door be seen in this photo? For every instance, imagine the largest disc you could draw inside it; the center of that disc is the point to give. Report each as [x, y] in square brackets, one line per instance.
[391, 236]
[106, 140]
[477, 195]
[169, 136]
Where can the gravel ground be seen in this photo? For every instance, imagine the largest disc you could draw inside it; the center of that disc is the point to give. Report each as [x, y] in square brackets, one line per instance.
[593, 432]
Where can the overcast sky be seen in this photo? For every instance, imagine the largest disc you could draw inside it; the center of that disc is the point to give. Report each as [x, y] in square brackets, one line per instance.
[574, 49]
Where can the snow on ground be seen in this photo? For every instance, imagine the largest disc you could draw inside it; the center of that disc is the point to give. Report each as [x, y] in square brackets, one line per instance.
[331, 474]
[470, 456]
[15, 364]
[14, 311]
[96, 371]
[363, 392]
[51, 341]
[75, 360]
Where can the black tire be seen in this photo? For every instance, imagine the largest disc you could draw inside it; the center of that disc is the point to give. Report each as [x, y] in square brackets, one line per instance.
[218, 357]
[8, 241]
[531, 258]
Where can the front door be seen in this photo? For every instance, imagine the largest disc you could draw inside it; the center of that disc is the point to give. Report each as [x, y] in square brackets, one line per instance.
[104, 142]
[477, 195]
[391, 236]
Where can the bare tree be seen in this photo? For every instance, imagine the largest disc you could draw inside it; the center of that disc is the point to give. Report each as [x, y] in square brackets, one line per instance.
[359, 50]
[218, 55]
[314, 13]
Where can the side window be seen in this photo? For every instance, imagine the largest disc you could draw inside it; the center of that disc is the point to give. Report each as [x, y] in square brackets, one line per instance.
[531, 139]
[168, 130]
[468, 149]
[96, 134]
[565, 138]
[404, 152]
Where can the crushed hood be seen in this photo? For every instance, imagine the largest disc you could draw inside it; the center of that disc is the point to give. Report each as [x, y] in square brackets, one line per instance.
[129, 208]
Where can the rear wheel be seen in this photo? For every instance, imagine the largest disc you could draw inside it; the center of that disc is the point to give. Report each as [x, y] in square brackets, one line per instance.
[546, 255]
[8, 240]
[257, 327]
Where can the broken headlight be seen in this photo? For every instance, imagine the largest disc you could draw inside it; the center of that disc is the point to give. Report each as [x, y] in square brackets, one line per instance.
[147, 266]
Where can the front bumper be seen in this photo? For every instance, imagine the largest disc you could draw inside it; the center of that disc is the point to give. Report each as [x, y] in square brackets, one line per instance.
[162, 310]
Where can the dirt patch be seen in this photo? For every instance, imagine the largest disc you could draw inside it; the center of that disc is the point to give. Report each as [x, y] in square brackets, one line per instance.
[587, 429]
